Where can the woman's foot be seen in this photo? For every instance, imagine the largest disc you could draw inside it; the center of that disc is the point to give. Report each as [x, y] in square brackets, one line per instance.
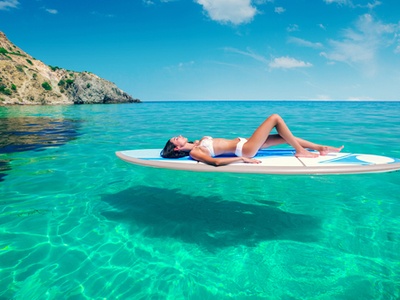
[305, 153]
[327, 149]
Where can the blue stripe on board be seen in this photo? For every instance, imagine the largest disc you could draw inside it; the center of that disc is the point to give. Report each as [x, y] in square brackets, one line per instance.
[260, 153]
[347, 159]
[353, 159]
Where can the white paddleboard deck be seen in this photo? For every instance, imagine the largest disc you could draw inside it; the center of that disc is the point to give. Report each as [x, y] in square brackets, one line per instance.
[273, 161]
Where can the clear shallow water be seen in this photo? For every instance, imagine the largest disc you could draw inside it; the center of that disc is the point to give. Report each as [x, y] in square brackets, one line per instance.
[78, 223]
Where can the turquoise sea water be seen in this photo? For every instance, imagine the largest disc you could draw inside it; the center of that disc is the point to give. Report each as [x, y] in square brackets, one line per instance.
[78, 223]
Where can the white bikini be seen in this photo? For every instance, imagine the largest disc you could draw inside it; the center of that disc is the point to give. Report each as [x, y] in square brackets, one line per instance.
[208, 143]
[239, 146]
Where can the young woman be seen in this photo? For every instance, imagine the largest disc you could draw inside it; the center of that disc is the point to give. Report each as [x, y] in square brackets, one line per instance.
[208, 149]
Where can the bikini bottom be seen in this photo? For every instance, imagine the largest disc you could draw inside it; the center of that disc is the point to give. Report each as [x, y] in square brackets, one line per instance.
[239, 146]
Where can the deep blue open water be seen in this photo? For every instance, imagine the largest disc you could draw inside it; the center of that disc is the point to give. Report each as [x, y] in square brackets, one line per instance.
[78, 223]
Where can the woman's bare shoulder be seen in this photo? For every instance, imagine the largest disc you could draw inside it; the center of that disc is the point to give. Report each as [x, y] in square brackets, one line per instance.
[199, 153]
[198, 150]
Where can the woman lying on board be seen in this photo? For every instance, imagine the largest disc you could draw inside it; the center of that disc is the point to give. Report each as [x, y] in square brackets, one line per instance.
[206, 149]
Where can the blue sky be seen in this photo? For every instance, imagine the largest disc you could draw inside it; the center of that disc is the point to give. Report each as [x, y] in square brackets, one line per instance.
[219, 49]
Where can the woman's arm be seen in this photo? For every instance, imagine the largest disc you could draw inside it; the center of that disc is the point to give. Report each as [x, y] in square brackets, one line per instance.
[199, 155]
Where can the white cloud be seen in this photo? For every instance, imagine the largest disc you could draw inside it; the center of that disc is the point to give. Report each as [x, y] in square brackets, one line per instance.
[355, 3]
[150, 2]
[340, 2]
[283, 62]
[323, 97]
[182, 66]
[6, 4]
[259, 2]
[372, 5]
[229, 11]
[292, 27]
[51, 11]
[352, 98]
[101, 15]
[279, 10]
[360, 45]
[248, 53]
[286, 62]
[305, 43]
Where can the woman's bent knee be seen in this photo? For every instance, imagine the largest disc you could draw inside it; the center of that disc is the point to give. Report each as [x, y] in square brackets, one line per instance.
[275, 117]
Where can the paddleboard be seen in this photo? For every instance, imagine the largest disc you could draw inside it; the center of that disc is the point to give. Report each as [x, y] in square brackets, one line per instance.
[273, 161]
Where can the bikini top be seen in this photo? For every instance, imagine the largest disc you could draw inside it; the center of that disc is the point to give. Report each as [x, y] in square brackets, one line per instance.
[208, 143]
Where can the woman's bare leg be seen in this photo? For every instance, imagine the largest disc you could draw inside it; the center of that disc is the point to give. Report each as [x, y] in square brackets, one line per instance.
[276, 139]
[323, 150]
[260, 137]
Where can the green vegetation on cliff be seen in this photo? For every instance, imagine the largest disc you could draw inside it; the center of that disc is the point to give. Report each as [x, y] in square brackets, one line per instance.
[4, 90]
[46, 86]
[26, 80]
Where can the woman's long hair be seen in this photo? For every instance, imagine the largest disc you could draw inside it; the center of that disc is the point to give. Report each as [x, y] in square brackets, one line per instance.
[169, 152]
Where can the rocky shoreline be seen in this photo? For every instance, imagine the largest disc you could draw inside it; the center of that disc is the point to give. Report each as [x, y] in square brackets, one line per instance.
[28, 81]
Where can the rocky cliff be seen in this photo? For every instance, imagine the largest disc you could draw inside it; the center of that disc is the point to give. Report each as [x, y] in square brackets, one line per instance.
[25, 80]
